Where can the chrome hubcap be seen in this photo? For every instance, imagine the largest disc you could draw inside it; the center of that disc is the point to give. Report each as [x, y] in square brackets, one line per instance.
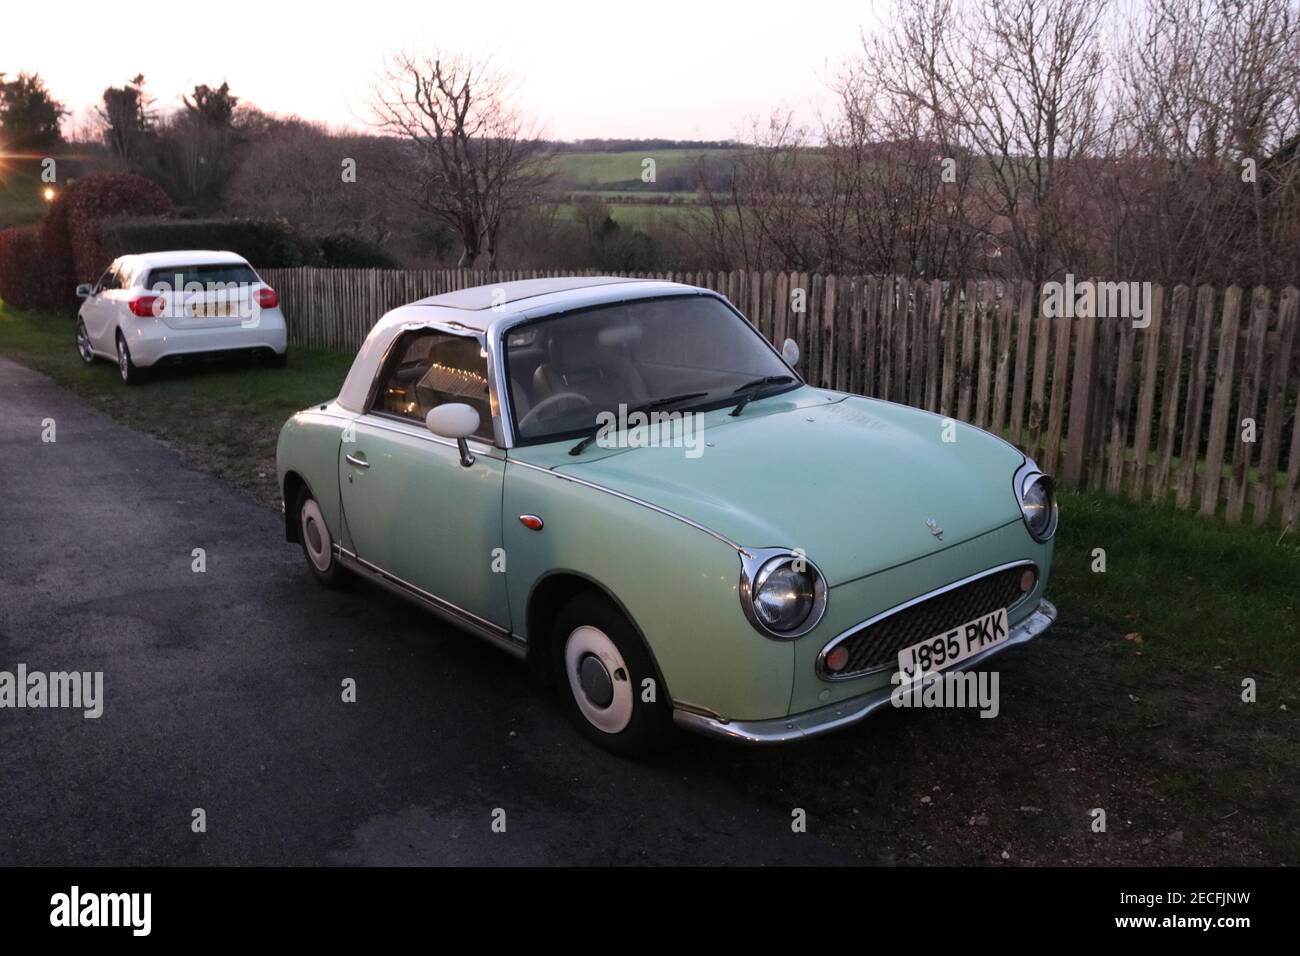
[122, 360]
[83, 343]
[596, 682]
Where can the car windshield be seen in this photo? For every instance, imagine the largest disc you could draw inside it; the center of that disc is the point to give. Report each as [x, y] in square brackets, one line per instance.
[564, 371]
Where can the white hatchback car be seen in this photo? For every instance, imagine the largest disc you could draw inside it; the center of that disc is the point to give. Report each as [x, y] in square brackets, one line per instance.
[162, 307]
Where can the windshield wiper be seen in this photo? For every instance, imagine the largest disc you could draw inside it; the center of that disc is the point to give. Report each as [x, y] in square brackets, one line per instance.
[753, 389]
[643, 408]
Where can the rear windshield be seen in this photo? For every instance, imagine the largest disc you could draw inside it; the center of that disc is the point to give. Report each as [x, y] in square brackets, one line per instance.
[177, 277]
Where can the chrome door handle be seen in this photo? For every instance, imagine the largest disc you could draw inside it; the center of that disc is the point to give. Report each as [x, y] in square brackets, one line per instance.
[359, 462]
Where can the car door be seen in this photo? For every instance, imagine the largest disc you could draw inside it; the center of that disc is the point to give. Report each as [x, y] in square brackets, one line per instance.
[412, 508]
[98, 312]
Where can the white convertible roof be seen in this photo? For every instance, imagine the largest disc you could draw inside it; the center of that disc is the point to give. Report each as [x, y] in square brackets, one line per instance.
[487, 310]
[504, 293]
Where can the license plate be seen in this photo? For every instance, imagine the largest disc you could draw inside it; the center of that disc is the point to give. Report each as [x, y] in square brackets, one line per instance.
[952, 647]
[213, 310]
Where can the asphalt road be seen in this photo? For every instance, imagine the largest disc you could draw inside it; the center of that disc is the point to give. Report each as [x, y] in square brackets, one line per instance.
[223, 691]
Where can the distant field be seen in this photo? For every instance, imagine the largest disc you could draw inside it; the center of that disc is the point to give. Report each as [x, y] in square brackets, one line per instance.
[20, 197]
[636, 214]
[608, 170]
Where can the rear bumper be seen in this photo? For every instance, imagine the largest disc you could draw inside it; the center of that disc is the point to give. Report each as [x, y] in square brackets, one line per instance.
[823, 720]
[153, 341]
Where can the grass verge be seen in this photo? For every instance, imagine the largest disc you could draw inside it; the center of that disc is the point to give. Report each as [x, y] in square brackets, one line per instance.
[224, 417]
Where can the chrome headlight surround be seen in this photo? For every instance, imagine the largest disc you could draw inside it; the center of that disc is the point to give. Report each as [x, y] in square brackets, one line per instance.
[756, 568]
[1029, 479]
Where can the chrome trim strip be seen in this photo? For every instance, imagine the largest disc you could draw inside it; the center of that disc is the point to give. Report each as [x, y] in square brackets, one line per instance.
[823, 720]
[1025, 475]
[845, 635]
[494, 634]
[637, 501]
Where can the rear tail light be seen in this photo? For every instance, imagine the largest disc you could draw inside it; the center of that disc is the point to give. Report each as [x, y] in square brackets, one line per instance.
[267, 299]
[146, 306]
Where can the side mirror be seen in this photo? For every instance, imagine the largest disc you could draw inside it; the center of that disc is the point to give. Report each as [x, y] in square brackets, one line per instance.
[85, 291]
[454, 420]
[790, 352]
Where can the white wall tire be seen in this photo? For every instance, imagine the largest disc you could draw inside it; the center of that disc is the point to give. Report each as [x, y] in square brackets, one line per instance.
[607, 678]
[317, 541]
[598, 679]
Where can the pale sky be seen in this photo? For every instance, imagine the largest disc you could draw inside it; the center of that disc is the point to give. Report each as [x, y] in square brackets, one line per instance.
[662, 68]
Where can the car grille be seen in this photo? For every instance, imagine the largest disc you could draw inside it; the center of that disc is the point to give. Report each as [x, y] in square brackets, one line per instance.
[875, 647]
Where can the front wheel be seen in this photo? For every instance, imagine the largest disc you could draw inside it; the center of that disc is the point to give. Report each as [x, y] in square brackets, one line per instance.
[84, 348]
[607, 679]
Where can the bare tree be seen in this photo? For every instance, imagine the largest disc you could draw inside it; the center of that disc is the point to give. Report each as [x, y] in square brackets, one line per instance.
[1208, 159]
[1017, 85]
[324, 184]
[480, 158]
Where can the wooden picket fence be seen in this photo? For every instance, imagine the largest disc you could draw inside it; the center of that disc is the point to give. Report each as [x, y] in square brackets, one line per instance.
[1200, 409]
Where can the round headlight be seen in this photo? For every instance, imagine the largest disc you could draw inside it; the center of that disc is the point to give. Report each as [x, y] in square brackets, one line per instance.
[783, 596]
[786, 596]
[1038, 504]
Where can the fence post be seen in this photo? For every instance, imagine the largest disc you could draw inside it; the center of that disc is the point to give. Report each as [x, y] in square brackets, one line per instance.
[1080, 403]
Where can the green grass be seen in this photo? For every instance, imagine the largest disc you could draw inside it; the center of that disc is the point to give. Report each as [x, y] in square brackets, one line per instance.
[637, 215]
[21, 202]
[1215, 593]
[601, 170]
[224, 416]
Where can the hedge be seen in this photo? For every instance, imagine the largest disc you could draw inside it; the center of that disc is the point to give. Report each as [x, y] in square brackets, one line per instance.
[23, 280]
[268, 244]
[71, 238]
[105, 215]
[40, 268]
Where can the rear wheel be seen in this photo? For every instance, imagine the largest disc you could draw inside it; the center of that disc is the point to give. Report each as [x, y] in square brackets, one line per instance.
[84, 348]
[280, 359]
[317, 544]
[608, 680]
[130, 372]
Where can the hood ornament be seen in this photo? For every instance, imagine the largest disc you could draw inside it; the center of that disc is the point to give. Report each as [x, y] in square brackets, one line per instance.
[934, 528]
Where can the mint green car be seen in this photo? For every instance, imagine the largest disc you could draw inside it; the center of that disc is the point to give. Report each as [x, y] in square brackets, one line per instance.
[623, 484]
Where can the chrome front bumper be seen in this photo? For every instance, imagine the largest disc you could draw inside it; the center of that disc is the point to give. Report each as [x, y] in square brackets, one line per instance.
[823, 720]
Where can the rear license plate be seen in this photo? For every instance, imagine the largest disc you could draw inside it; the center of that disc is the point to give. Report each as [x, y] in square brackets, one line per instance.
[952, 647]
[213, 310]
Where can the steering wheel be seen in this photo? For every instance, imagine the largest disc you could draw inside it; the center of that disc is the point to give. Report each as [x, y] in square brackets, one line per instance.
[549, 404]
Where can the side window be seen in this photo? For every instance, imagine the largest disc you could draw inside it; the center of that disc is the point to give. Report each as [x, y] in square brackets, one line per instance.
[109, 280]
[428, 368]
